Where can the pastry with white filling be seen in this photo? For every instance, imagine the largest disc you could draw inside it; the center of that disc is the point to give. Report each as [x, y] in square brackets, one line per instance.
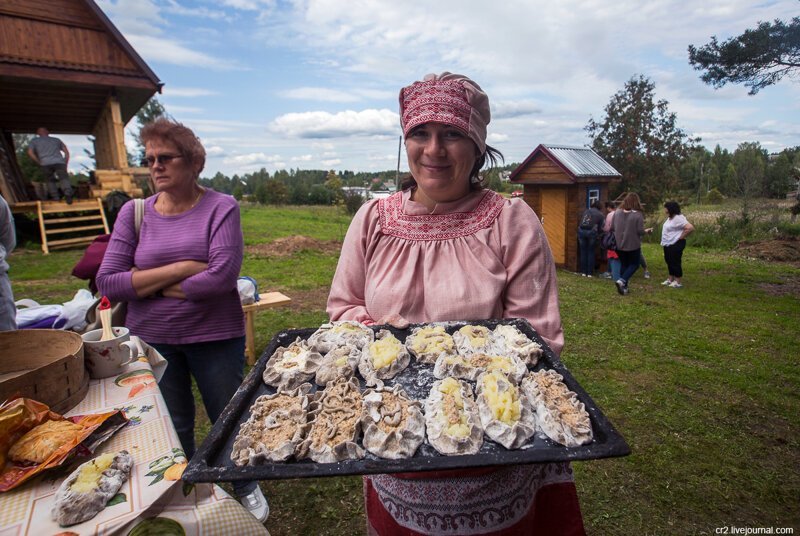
[470, 366]
[383, 359]
[452, 419]
[86, 491]
[274, 429]
[341, 362]
[289, 367]
[334, 426]
[471, 339]
[340, 333]
[560, 415]
[508, 340]
[427, 343]
[505, 412]
[393, 424]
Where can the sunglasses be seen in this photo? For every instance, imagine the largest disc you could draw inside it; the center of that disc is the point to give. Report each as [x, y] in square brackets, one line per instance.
[162, 159]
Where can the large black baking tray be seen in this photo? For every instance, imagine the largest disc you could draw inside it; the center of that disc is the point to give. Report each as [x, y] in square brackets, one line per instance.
[212, 461]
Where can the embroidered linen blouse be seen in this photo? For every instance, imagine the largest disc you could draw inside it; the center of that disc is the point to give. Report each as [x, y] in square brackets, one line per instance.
[480, 257]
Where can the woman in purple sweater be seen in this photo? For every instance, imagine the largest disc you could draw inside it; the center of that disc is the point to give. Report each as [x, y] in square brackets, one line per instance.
[179, 279]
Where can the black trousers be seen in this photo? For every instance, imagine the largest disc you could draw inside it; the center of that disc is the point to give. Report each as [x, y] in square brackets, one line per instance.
[673, 255]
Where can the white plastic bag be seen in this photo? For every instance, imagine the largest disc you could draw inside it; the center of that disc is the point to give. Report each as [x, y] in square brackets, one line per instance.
[248, 290]
[73, 314]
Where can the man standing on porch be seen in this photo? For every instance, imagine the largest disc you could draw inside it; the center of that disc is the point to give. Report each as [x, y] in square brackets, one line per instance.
[52, 156]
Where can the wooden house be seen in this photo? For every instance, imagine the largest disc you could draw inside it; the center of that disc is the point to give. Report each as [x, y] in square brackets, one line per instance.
[64, 66]
[560, 182]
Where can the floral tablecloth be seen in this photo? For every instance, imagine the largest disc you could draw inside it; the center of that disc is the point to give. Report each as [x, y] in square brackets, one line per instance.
[154, 500]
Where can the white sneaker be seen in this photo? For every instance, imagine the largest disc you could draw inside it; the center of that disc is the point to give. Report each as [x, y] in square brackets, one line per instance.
[646, 274]
[256, 504]
[675, 284]
[666, 282]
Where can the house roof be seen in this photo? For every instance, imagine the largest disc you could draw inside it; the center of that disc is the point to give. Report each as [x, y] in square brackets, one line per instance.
[578, 162]
[65, 61]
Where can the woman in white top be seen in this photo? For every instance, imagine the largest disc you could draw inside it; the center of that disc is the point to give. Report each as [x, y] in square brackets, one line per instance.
[673, 238]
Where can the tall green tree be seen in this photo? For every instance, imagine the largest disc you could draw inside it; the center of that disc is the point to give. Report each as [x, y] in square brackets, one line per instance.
[749, 159]
[759, 57]
[639, 136]
[148, 113]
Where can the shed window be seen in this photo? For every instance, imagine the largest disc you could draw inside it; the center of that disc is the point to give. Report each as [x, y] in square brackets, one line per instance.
[593, 194]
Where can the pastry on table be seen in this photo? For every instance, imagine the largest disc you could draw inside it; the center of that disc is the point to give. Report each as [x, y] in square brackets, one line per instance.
[559, 414]
[341, 362]
[470, 366]
[392, 423]
[86, 491]
[452, 418]
[274, 429]
[289, 367]
[333, 428]
[509, 340]
[340, 333]
[471, 339]
[505, 412]
[427, 343]
[40, 442]
[383, 358]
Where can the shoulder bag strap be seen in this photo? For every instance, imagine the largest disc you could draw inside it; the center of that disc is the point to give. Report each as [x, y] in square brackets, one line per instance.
[138, 215]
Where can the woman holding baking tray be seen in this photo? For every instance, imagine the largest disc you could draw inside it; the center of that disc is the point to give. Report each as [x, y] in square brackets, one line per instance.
[179, 279]
[445, 248]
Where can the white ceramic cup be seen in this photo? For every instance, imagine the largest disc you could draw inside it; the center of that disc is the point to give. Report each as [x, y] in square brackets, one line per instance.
[108, 358]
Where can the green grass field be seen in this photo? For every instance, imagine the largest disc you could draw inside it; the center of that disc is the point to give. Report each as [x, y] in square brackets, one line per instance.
[702, 381]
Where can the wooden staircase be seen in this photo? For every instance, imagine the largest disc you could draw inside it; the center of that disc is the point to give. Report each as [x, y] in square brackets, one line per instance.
[109, 180]
[62, 225]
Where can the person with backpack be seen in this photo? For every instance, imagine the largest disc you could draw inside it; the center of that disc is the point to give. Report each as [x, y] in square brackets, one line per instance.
[609, 244]
[589, 228]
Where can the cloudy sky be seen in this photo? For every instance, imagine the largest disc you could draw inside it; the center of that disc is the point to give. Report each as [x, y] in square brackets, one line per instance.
[313, 83]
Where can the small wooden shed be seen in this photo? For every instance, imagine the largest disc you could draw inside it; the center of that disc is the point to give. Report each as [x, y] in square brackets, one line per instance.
[560, 182]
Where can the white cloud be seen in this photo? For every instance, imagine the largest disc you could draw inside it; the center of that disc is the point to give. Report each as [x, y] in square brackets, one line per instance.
[342, 124]
[302, 158]
[215, 150]
[330, 163]
[173, 109]
[325, 94]
[188, 91]
[496, 138]
[252, 160]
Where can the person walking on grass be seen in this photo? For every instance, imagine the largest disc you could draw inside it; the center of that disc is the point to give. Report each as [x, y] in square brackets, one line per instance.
[628, 228]
[673, 239]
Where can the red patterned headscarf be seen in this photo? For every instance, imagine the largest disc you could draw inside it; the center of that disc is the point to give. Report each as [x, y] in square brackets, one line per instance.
[448, 98]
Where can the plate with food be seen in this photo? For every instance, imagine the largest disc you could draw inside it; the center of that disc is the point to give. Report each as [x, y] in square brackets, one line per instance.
[434, 396]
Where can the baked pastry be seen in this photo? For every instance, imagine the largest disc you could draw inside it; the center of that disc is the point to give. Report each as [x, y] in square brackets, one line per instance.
[292, 366]
[559, 414]
[274, 429]
[393, 424]
[341, 362]
[86, 491]
[470, 339]
[505, 411]
[334, 427]
[470, 366]
[452, 419]
[427, 343]
[508, 340]
[340, 333]
[382, 359]
[40, 442]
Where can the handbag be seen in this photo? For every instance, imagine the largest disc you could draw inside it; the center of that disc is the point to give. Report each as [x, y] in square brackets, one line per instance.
[119, 310]
[609, 241]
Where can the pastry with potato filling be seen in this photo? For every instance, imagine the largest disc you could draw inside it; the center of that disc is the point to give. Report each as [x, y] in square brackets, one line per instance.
[274, 429]
[86, 491]
[559, 414]
[470, 366]
[452, 419]
[470, 339]
[427, 343]
[291, 366]
[341, 362]
[509, 340]
[383, 359]
[334, 427]
[392, 423]
[340, 333]
[505, 411]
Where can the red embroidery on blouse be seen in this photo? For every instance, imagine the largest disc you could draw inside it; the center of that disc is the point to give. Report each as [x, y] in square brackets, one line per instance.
[437, 226]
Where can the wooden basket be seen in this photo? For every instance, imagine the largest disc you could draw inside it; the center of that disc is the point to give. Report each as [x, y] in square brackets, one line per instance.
[45, 365]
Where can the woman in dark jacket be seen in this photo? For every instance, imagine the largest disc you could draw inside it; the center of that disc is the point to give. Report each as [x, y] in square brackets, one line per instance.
[589, 227]
[628, 227]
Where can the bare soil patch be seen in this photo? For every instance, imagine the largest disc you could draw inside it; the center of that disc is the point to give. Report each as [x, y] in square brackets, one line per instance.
[289, 245]
[782, 249]
[310, 300]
